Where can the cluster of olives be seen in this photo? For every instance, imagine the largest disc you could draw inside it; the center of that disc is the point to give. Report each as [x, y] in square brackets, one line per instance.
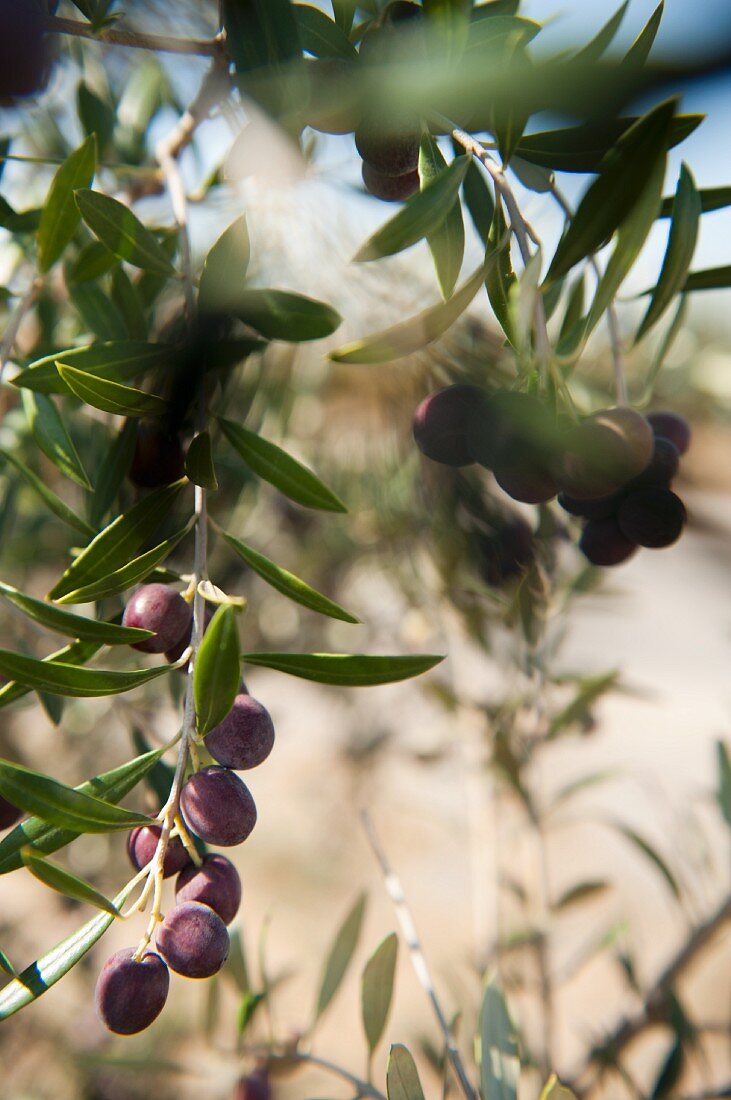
[613, 469]
[25, 60]
[217, 808]
[390, 156]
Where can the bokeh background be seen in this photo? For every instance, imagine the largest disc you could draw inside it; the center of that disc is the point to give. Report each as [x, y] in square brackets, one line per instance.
[416, 760]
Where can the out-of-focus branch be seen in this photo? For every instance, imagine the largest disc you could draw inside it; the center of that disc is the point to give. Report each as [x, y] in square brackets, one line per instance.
[138, 40]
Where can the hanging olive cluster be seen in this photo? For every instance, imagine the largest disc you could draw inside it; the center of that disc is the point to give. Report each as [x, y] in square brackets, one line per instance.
[613, 469]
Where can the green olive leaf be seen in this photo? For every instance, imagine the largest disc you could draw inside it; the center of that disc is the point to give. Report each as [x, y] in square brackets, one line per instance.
[61, 880]
[217, 670]
[199, 462]
[402, 1076]
[340, 955]
[345, 669]
[377, 989]
[122, 232]
[73, 626]
[61, 216]
[224, 271]
[113, 359]
[446, 243]
[499, 1061]
[49, 432]
[49, 498]
[63, 679]
[111, 397]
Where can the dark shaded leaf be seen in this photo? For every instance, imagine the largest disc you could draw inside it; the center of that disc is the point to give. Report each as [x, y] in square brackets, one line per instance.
[345, 669]
[712, 278]
[679, 252]
[49, 498]
[639, 51]
[711, 198]
[217, 670]
[99, 314]
[111, 472]
[199, 462]
[320, 36]
[500, 279]
[95, 116]
[340, 956]
[111, 397]
[282, 315]
[478, 198]
[584, 148]
[49, 432]
[129, 304]
[93, 261]
[287, 583]
[50, 874]
[122, 232]
[594, 49]
[281, 470]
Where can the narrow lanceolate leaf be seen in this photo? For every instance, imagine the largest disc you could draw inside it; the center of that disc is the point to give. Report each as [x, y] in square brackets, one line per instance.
[320, 36]
[77, 653]
[626, 174]
[283, 315]
[499, 1062]
[73, 626]
[62, 679]
[114, 359]
[501, 279]
[478, 198]
[679, 252]
[639, 51]
[93, 261]
[580, 892]
[416, 333]
[224, 271]
[6, 966]
[129, 304]
[61, 215]
[711, 198]
[122, 232]
[60, 805]
[345, 669]
[49, 432]
[108, 396]
[281, 470]
[654, 857]
[99, 314]
[554, 1090]
[130, 574]
[37, 978]
[217, 672]
[340, 955]
[36, 835]
[446, 243]
[199, 462]
[587, 147]
[50, 874]
[724, 781]
[111, 548]
[711, 278]
[593, 50]
[111, 472]
[49, 498]
[377, 989]
[402, 1076]
[420, 215]
[287, 583]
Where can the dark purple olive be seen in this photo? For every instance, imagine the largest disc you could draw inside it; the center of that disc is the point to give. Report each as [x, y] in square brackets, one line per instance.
[652, 517]
[599, 508]
[663, 465]
[159, 608]
[9, 814]
[245, 737]
[390, 188]
[215, 883]
[193, 940]
[440, 424]
[218, 807]
[673, 427]
[129, 994]
[603, 543]
[24, 54]
[142, 845]
[158, 457]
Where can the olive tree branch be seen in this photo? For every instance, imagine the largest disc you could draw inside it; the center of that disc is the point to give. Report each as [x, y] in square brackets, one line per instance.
[114, 36]
[620, 380]
[408, 928]
[653, 1010]
[364, 1087]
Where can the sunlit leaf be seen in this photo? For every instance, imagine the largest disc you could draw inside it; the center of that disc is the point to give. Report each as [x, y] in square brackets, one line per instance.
[116, 359]
[62, 679]
[199, 462]
[499, 1061]
[554, 1090]
[224, 271]
[279, 468]
[217, 670]
[420, 216]
[345, 669]
[287, 583]
[639, 51]
[76, 653]
[73, 626]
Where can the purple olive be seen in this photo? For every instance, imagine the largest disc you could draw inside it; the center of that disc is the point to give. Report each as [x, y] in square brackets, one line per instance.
[142, 845]
[218, 807]
[193, 940]
[245, 737]
[159, 608]
[215, 883]
[129, 994]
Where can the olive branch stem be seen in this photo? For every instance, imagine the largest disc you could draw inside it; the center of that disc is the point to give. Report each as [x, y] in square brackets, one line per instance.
[23, 308]
[408, 927]
[138, 40]
[365, 1088]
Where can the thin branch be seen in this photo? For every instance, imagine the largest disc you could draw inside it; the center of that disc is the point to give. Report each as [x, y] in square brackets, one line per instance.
[137, 40]
[653, 1010]
[364, 1087]
[23, 308]
[396, 893]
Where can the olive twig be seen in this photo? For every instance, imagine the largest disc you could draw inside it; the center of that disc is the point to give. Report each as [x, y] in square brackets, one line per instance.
[114, 36]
